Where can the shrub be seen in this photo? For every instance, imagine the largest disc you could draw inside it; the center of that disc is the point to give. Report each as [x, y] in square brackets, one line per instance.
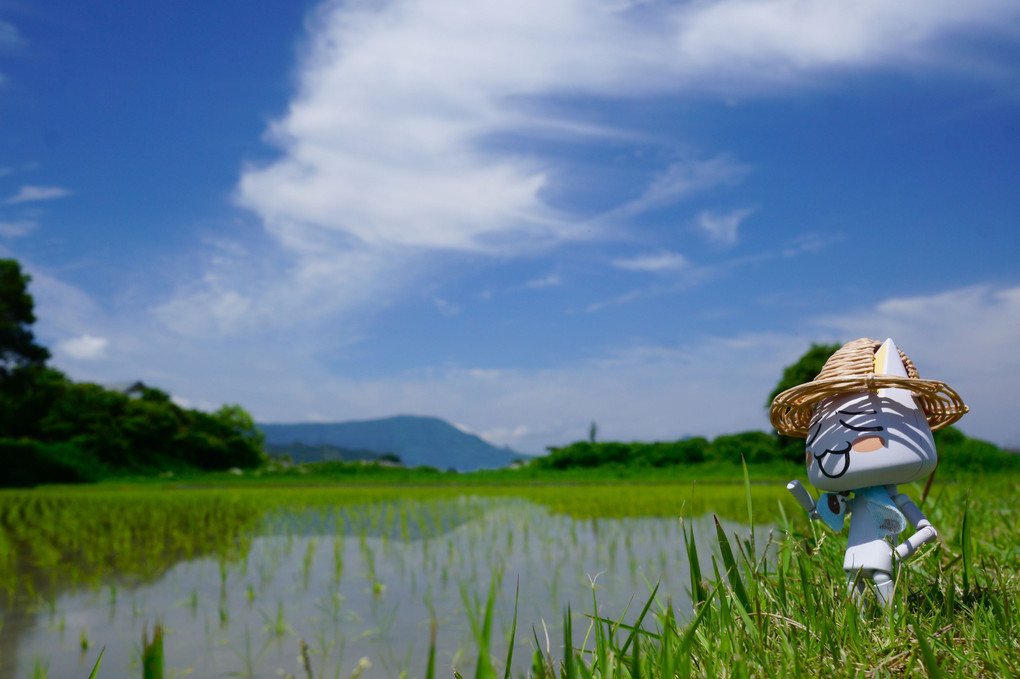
[30, 463]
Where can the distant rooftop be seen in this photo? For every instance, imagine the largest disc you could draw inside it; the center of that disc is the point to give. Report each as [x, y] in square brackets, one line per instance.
[129, 388]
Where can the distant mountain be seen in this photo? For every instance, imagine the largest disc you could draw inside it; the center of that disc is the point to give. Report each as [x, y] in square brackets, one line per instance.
[417, 440]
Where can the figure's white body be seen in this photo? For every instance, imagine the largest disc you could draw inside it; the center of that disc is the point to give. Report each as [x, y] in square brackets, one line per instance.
[867, 548]
[860, 441]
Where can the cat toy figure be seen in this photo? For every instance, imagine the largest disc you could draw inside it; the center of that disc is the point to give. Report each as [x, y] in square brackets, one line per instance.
[868, 420]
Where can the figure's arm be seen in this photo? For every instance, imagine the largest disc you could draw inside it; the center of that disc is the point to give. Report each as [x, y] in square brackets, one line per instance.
[925, 531]
[804, 499]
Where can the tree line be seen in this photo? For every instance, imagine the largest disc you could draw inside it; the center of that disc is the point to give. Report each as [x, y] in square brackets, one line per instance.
[957, 452]
[55, 430]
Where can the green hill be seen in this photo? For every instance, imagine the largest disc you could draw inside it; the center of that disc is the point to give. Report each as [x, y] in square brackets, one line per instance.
[418, 441]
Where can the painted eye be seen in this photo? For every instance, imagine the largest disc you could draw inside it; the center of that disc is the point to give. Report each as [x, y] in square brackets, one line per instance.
[856, 428]
[833, 504]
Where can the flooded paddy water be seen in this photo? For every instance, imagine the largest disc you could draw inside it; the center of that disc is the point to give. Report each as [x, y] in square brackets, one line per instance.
[251, 582]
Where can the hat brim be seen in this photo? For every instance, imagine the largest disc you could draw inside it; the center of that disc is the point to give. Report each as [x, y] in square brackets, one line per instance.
[791, 410]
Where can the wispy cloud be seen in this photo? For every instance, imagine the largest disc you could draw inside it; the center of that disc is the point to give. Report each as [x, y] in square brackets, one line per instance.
[10, 37]
[16, 229]
[682, 179]
[657, 262]
[695, 274]
[446, 307]
[84, 348]
[722, 227]
[966, 337]
[550, 281]
[35, 193]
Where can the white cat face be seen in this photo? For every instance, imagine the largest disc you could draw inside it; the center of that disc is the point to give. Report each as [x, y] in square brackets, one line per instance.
[860, 440]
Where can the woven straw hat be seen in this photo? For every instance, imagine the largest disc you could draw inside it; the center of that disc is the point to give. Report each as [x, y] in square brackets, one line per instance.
[852, 369]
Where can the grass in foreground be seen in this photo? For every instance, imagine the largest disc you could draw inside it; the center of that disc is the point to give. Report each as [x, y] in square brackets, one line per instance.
[955, 610]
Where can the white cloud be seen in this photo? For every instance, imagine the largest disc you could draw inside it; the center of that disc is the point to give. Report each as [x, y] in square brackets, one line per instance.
[446, 307]
[84, 348]
[182, 402]
[657, 262]
[9, 36]
[777, 40]
[550, 281]
[966, 337]
[683, 179]
[35, 193]
[244, 291]
[385, 148]
[16, 229]
[722, 227]
[514, 436]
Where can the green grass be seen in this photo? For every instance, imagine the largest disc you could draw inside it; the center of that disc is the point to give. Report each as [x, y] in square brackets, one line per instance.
[955, 611]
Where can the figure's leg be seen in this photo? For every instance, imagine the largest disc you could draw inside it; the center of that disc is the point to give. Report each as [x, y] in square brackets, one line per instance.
[856, 585]
[883, 587]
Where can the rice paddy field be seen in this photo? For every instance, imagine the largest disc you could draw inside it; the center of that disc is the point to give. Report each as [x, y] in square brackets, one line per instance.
[608, 580]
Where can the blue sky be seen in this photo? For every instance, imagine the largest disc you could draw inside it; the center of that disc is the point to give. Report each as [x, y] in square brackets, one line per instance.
[520, 217]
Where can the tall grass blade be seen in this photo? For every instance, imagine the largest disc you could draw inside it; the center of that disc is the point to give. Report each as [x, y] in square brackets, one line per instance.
[484, 669]
[688, 639]
[697, 590]
[750, 511]
[95, 669]
[965, 545]
[513, 632]
[569, 671]
[635, 667]
[927, 654]
[730, 564]
[641, 617]
[430, 668]
[808, 591]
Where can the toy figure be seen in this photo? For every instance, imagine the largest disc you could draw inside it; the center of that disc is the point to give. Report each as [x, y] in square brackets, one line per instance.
[868, 419]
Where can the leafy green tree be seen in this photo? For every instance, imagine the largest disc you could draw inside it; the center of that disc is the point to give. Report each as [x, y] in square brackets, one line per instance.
[804, 370]
[54, 430]
[958, 452]
[26, 395]
[241, 423]
[18, 348]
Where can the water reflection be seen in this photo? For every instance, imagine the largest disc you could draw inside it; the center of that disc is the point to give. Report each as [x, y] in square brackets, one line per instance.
[364, 582]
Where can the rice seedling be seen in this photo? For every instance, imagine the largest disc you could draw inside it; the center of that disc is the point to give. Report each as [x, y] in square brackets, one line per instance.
[152, 653]
[249, 659]
[40, 666]
[276, 625]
